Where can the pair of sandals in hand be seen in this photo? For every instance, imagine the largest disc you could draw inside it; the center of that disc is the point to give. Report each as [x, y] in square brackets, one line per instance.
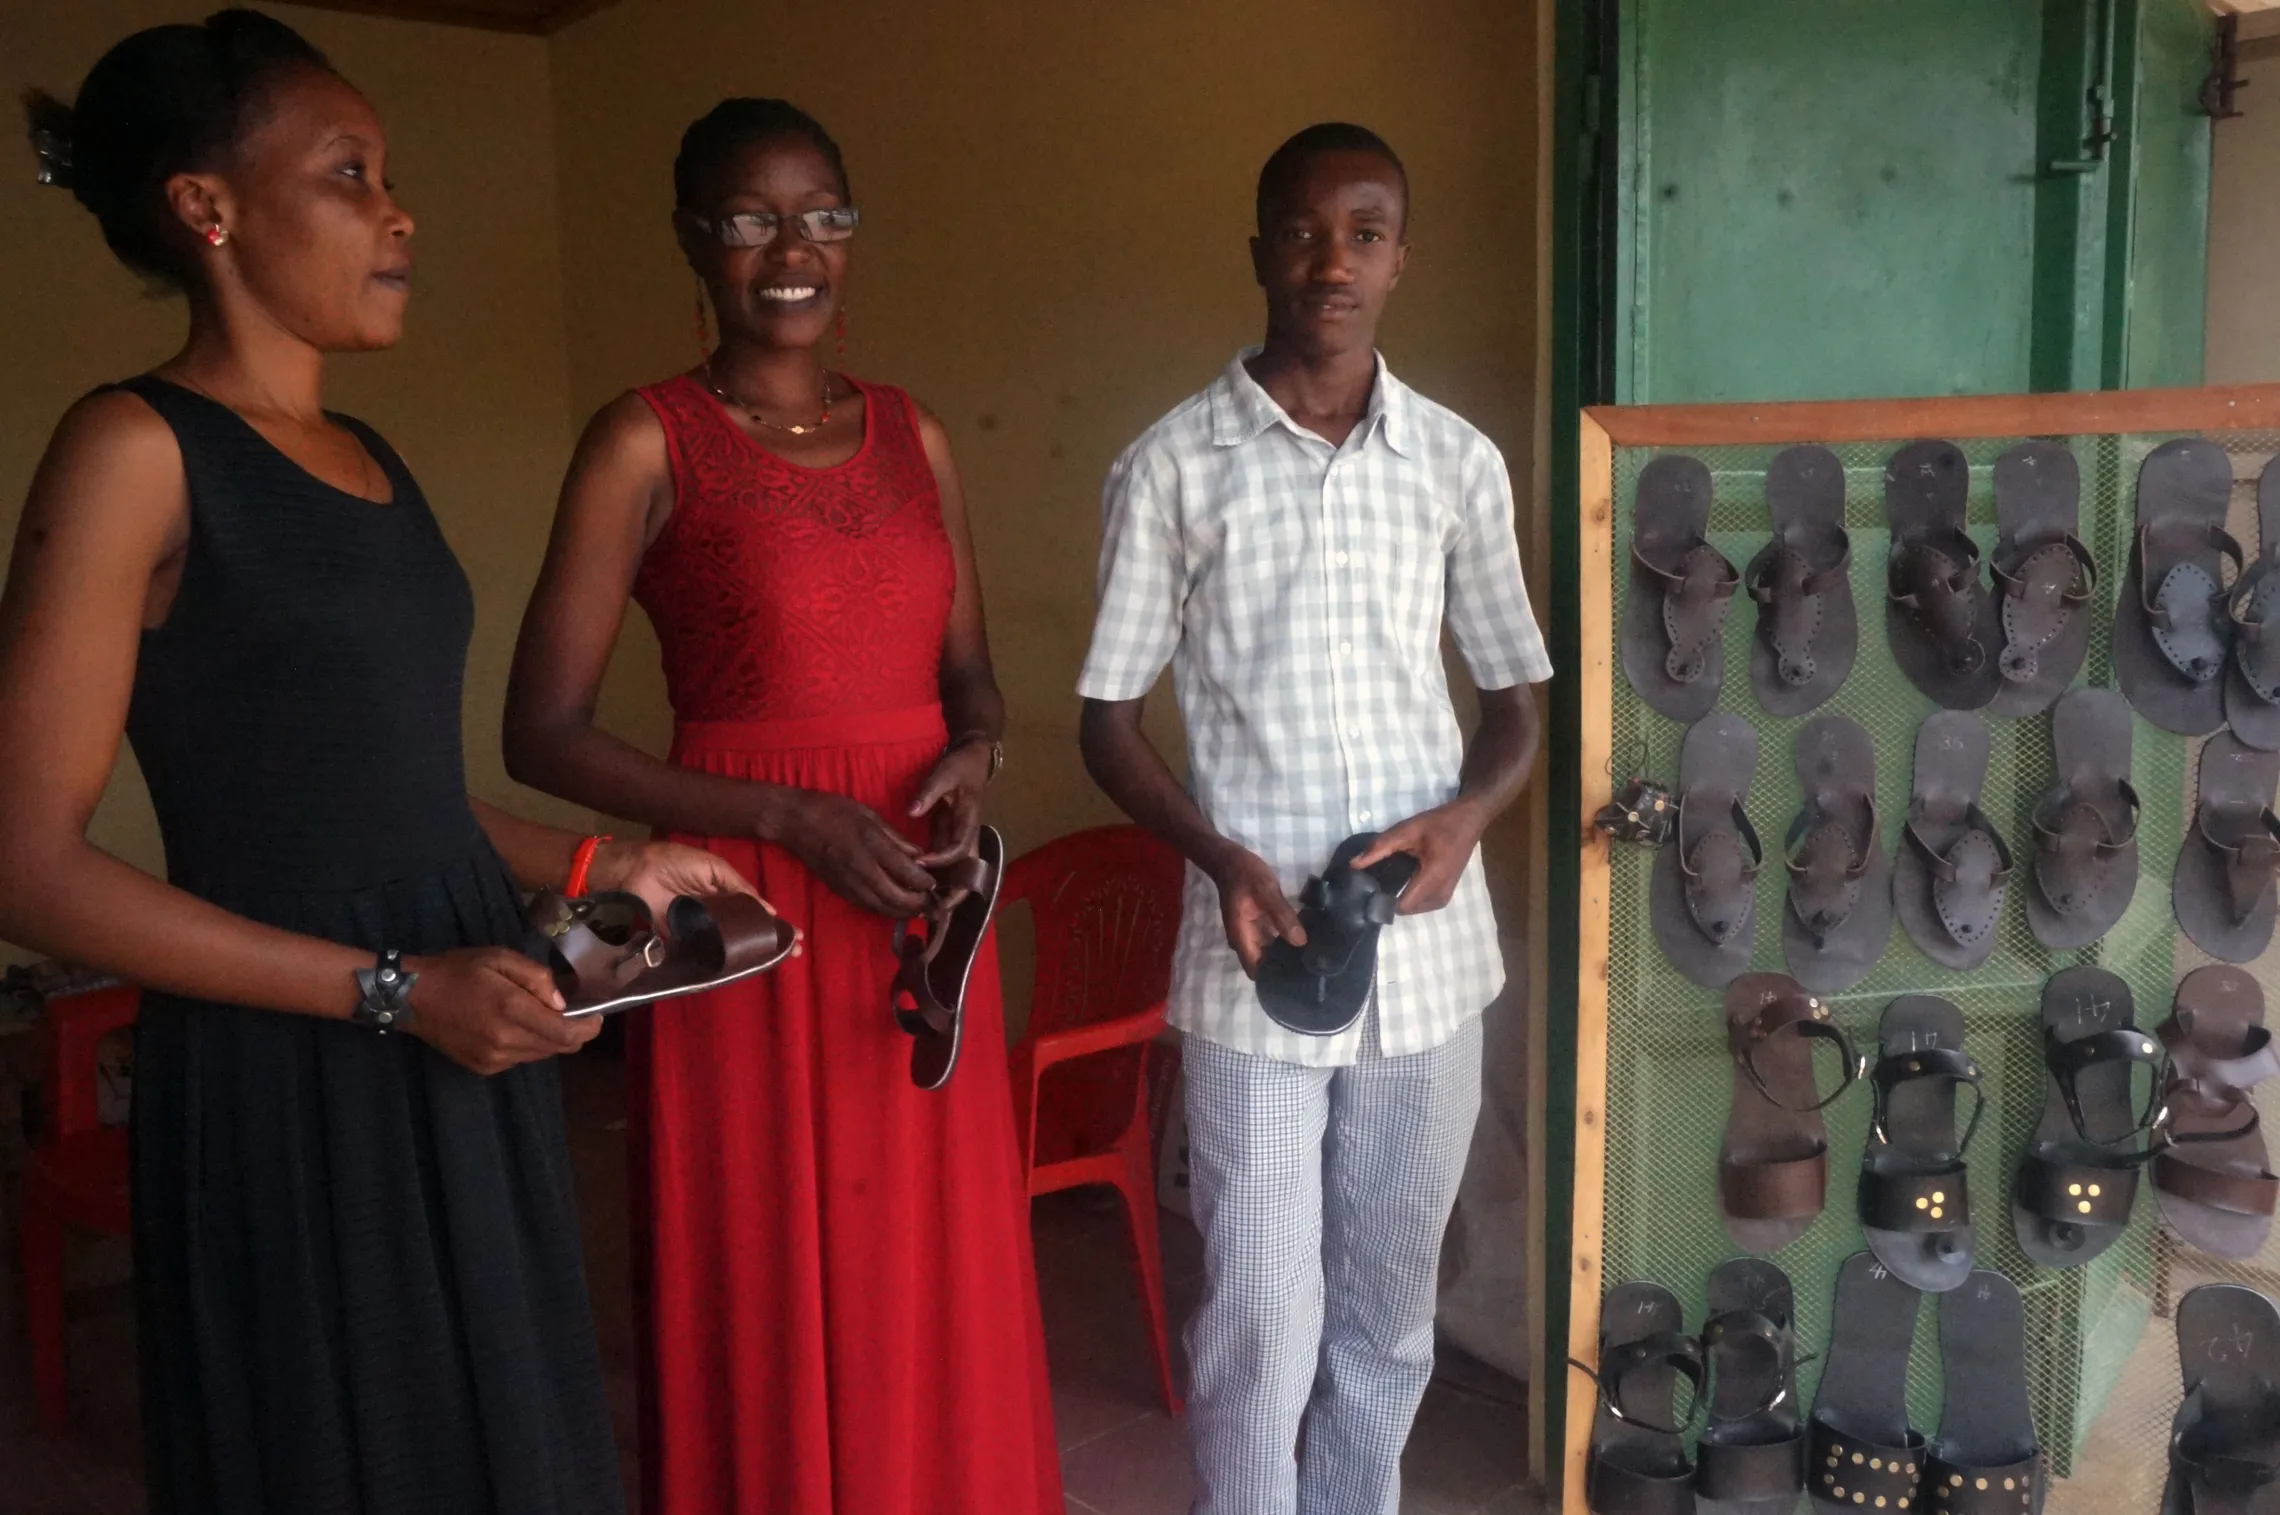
[2191, 650]
[1756, 1453]
[607, 952]
[1913, 1193]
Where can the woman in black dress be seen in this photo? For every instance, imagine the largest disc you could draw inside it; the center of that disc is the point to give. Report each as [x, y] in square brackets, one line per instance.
[356, 1253]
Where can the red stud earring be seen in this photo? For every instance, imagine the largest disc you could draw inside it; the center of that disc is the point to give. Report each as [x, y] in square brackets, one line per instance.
[215, 236]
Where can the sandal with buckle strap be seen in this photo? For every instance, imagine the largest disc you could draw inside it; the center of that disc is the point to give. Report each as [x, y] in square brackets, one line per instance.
[1638, 1463]
[2222, 889]
[2078, 1177]
[1954, 868]
[1750, 1459]
[1986, 1458]
[1773, 1161]
[1808, 630]
[1702, 895]
[1681, 588]
[1840, 881]
[2045, 577]
[2173, 625]
[2252, 687]
[1860, 1448]
[2224, 1442]
[607, 954]
[1938, 615]
[929, 992]
[2086, 851]
[1915, 1191]
[2212, 1174]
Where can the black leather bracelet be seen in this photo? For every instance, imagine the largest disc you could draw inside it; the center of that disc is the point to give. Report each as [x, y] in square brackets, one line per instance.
[385, 994]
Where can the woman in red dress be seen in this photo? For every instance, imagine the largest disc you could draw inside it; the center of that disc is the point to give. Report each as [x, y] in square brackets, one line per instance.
[838, 1303]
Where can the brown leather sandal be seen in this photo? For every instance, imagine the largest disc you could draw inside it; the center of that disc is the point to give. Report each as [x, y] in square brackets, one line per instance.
[929, 993]
[1773, 1163]
[2252, 689]
[2172, 625]
[2086, 851]
[2211, 1175]
[606, 952]
[1681, 588]
[1807, 630]
[2045, 576]
[1938, 616]
[2222, 889]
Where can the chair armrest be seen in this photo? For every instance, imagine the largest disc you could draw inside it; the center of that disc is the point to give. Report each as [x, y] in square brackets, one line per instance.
[72, 1028]
[1103, 1036]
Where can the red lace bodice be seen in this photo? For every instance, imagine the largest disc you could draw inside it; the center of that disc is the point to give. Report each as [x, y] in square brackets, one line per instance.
[781, 592]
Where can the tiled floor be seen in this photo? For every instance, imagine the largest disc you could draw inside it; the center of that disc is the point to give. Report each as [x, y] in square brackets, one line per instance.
[1120, 1453]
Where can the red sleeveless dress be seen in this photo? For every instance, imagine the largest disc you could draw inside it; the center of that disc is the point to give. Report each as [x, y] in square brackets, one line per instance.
[839, 1308]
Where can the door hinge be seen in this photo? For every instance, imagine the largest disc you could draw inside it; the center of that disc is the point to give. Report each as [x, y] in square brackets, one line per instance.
[2094, 142]
[2224, 83]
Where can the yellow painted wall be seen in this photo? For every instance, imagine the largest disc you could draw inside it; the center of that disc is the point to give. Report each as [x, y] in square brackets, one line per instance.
[477, 394]
[1056, 199]
[2244, 221]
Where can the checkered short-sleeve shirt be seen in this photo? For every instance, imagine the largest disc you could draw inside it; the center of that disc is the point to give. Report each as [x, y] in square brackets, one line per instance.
[1298, 592]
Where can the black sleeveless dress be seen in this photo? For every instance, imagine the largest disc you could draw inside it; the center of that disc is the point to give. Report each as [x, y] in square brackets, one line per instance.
[357, 1263]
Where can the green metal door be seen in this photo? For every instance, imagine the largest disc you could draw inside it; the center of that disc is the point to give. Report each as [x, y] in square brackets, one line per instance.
[1850, 198]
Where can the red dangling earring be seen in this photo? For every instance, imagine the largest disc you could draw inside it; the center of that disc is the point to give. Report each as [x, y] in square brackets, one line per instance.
[704, 345]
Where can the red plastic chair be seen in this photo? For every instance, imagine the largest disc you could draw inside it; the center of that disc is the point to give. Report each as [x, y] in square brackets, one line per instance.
[75, 1176]
[1106, 903]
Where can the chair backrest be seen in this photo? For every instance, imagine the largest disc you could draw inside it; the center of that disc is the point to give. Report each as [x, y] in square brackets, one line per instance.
[1106, 907]
[72, 1028]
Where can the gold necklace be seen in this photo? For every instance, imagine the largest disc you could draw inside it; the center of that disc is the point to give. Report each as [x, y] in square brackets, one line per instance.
[758, 419]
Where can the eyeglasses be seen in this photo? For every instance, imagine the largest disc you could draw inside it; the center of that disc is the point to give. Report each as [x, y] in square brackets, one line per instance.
[758, 228]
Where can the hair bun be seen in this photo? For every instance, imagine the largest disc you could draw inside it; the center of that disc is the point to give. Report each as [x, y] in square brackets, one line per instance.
[51, 137]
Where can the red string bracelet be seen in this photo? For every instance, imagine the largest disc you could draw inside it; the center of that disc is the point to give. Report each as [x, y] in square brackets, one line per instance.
[580, 862]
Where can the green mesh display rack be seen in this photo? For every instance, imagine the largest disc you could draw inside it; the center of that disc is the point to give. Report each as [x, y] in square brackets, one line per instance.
[1653, 1075]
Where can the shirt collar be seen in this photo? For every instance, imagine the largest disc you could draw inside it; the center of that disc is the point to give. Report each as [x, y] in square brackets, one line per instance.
[1241, 410]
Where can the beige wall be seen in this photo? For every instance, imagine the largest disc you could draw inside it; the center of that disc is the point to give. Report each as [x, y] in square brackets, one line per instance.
[476, 396]
[2244, 221]
[1055, 204]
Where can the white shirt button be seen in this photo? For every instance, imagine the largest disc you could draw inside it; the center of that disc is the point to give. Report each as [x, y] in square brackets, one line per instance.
[1340, 560]
[1345, 649]
[1361, 815]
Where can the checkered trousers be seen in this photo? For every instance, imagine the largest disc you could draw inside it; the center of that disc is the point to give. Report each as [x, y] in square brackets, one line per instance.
[1322, 1194]
[1298, 592]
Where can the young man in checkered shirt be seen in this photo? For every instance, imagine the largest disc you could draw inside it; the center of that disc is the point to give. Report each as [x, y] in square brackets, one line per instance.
[1292, 542]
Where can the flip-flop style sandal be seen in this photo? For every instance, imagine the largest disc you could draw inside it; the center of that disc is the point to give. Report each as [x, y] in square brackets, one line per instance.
[1953, 870]
[1681, 588]
[1752, 1451]
[2224, 1444]
[1840, 881]
[1986, 1459]
[2045, 577]
[1808, 629]
[2172, 628]
[2211, 1175]
[1938, 615]
[1861, 1448]
[2086, 851]
[1915, 1193]
[1773, 1164]
[1638, 1463]
[606, 953]
[1319, 989]
[2252, 688]
[2222, 889]
[929, 993]
[2079, 1175]
[1702, 897]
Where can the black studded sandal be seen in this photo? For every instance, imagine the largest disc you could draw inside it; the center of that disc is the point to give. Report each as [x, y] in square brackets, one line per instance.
[2079, 1175]
[1862, 1453]
[1915, 1193]
[1985, 1459]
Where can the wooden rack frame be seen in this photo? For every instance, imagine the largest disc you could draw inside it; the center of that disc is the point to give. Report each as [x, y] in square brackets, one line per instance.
[1605, 428]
